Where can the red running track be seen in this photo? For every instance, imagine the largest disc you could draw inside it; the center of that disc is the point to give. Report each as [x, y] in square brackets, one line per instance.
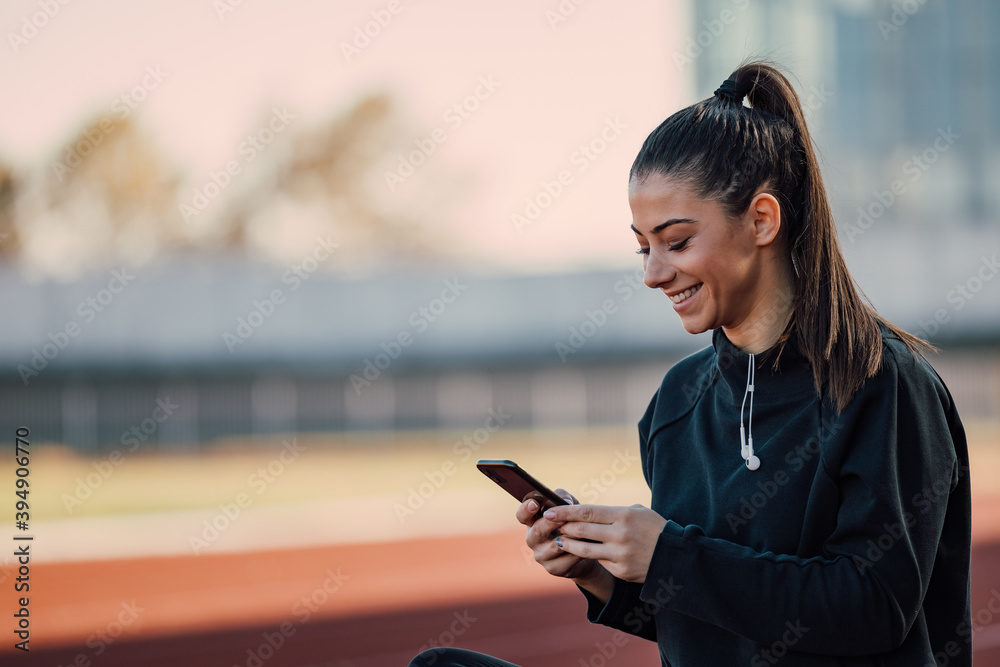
[368, 605]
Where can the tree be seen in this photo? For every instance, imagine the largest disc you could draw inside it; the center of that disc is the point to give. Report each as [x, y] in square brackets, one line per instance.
[111, 197]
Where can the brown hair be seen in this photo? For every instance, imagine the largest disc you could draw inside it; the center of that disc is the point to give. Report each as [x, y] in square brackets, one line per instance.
[728, 152]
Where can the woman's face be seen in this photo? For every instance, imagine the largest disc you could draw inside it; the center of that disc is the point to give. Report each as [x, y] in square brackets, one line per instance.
[707, 263]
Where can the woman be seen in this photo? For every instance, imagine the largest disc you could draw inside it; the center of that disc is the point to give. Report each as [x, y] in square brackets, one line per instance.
[841, 535]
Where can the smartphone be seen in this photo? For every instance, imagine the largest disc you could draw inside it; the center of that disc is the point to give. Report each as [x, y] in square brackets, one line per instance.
[519, 483]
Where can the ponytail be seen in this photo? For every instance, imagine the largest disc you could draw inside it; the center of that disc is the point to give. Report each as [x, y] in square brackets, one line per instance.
[728, 152]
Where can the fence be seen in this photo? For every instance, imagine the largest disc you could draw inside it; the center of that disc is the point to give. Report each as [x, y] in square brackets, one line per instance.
[98, 412]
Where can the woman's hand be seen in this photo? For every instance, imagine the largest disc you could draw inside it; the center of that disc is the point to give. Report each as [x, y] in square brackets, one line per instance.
[541, 539]
[624, 537]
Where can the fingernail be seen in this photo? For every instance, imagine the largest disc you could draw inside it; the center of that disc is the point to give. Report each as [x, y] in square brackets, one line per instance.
[550, 514]
[532, 506]
[559, 542]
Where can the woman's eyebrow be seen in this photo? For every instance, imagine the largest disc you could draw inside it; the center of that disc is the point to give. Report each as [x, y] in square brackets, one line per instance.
[663, 225]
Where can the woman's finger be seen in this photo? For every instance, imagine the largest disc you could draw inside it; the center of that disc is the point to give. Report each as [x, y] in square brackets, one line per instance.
[586, 550]
[563, 493]
[597, 532]
[527, 513]
[587, 513]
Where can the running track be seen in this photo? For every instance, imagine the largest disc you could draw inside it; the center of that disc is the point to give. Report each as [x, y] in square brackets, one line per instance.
[368, 605]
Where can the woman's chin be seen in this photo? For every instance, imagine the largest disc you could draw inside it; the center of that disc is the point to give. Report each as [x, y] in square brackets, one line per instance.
[693, 326]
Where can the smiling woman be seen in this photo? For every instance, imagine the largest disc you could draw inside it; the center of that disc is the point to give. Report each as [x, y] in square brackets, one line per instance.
[734, 566]
[755, 167]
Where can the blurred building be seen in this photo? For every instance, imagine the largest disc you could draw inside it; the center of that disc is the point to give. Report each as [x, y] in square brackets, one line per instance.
[207, 346]
[881, 81]
[185, 352]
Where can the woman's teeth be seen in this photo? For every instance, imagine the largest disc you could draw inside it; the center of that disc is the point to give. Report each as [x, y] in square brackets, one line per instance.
[686, 294]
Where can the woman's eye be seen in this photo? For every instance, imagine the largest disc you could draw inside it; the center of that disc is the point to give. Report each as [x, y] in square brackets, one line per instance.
[678, 246]
[642, 251]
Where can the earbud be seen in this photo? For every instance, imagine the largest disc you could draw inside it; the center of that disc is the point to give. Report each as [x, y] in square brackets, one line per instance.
[753, 462]
[746, 444]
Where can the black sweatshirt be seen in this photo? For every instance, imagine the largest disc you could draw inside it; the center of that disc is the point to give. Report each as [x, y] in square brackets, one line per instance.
[850, 544]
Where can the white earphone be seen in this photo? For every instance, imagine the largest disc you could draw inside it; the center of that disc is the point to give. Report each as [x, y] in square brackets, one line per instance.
[746, 443]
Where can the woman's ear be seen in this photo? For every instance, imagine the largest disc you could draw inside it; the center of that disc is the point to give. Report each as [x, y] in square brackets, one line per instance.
[765, 214]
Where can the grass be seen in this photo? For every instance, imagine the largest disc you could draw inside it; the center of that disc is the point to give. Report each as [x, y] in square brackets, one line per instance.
[334, 466]
[64, 484]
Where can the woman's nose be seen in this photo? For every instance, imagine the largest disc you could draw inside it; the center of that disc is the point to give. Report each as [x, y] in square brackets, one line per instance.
[657, 270]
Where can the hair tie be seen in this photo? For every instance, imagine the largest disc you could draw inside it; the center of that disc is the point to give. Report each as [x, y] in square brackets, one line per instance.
[729, 91]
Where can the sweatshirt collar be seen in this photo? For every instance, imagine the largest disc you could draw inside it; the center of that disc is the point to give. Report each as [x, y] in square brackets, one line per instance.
[793, 374]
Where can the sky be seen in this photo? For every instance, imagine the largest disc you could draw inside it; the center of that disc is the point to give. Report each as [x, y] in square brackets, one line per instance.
[554, 98]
